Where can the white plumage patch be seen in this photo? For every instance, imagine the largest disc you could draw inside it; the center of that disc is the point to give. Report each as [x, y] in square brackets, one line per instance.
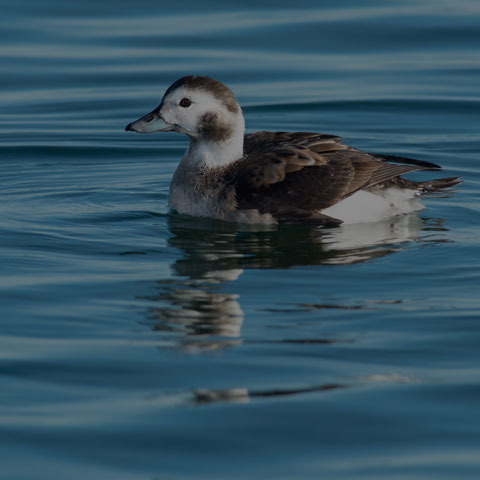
[365, 206]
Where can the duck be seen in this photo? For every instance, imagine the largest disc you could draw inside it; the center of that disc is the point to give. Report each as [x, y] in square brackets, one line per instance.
[275, 177]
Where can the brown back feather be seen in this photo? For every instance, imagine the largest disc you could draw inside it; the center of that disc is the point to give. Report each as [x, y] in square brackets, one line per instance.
[292, 174]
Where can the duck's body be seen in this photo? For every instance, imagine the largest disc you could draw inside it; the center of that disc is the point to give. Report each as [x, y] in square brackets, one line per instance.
[274, 177]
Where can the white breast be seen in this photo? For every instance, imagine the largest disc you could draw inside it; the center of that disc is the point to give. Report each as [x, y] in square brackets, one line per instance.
[185, 199]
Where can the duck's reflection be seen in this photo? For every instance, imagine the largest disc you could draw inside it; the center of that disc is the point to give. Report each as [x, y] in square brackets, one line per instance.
[198, 308]
[242, 395]
[206, 319]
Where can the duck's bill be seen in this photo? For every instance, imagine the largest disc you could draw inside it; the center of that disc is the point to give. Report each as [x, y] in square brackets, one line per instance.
[149, 123]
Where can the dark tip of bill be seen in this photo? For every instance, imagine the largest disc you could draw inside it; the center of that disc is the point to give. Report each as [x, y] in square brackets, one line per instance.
[128, 127]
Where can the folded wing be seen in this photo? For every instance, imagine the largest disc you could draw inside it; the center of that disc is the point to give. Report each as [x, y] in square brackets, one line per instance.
[293, 176]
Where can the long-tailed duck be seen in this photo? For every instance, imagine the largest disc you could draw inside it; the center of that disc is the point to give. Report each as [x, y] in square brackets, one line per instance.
[274, 177]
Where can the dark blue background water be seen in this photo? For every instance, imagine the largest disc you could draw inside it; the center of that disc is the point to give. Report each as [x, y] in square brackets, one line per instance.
[140, 345]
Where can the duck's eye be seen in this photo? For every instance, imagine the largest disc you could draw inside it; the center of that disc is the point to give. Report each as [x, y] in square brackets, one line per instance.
[185, 102]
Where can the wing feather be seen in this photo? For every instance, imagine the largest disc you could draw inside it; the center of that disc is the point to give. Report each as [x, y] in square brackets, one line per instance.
[294, 175]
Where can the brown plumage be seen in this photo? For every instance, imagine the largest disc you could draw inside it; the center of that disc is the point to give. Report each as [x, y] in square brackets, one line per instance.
[293, 176]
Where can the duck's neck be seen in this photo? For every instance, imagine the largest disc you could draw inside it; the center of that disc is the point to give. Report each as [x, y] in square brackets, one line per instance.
[214, 154]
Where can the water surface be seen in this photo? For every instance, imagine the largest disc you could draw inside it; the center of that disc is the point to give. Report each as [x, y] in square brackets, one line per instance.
[137, 344]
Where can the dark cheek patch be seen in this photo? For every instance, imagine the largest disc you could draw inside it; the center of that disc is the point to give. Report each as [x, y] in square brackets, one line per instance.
[211, 129]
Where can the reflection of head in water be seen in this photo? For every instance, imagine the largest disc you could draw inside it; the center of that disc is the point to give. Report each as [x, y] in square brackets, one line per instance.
[214, 253]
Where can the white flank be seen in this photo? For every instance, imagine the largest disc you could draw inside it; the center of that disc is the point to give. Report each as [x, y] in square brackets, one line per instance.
[364, 206]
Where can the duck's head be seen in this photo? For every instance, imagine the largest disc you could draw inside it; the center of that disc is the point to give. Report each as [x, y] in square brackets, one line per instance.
[203, 108]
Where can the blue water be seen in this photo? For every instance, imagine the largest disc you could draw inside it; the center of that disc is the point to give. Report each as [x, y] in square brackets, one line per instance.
[136, 344]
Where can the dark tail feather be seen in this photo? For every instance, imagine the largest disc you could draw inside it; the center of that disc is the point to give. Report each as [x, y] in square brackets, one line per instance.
[433, 186]
[439, 184]
[428, 187]
[408, 161]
